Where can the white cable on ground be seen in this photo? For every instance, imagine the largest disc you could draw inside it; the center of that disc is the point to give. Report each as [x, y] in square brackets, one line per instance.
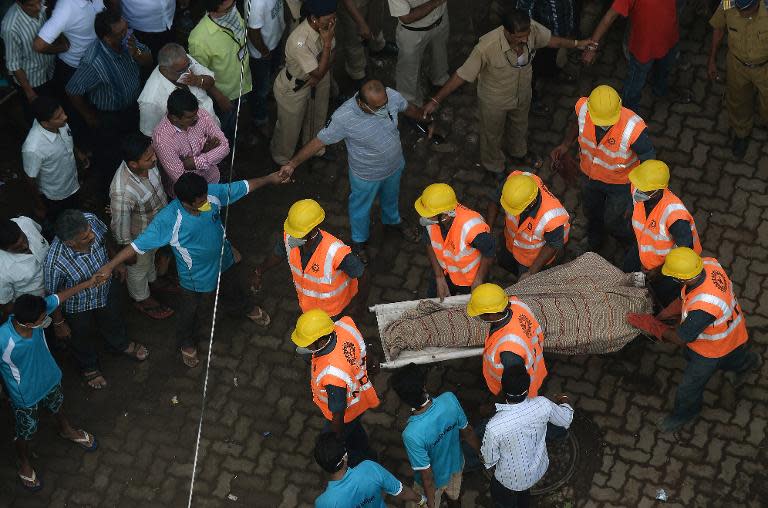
[243, 63]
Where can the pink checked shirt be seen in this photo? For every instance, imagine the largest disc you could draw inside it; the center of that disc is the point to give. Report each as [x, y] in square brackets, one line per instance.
[172, 145]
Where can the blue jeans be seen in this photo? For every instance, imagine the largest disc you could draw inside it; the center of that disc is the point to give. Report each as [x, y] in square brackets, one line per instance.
[637, 73]
[698, 372]
[263, 71]
[361, 196]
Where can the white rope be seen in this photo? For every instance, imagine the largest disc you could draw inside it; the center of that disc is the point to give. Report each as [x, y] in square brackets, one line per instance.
[221, 256]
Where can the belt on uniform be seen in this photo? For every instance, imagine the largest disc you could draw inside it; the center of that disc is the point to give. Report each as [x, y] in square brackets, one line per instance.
[749, 65]
[423, 28]
[299, 83]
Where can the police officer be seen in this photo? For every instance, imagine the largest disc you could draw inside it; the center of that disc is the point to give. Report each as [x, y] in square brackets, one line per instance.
[746, 22]
[355, 33]
[302, 88]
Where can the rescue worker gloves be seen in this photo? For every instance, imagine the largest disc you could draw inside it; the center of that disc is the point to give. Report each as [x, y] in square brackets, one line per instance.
[648, 324]
[310, 326]
[487, 299]
[436, 199]
[303, 216]
[519, 191]
[682, 263]
[650, 175]
[604, 105]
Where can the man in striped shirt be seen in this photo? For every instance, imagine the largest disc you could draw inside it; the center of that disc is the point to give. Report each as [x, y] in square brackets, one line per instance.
[32, 71]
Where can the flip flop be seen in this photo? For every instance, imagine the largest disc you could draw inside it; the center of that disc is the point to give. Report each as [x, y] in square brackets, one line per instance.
[90, 376]
[158, 311]
[190, 359]
[132, 351]
[87, 441]
[260, 317]
[37, 483]
[530, 159]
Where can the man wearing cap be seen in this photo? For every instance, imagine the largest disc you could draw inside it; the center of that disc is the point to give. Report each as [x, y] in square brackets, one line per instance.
[339, 376]
[515, 337]
[660, 222]
[746, 22]
[325, 272]
[460, 246]
[712, 329]
[612, 141]
[536, 225]
[303, 87]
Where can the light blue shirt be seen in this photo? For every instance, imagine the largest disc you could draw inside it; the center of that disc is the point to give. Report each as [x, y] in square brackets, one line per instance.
[26, 364]
[361, 487]
[195, 239]
[373, 144]
[432, 439]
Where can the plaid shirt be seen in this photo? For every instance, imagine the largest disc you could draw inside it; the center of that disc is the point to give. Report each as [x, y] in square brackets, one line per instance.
[18, 30]
[134, 202]
[65, 268]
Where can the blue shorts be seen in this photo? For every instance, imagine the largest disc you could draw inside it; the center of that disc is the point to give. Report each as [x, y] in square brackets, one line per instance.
[27, 417]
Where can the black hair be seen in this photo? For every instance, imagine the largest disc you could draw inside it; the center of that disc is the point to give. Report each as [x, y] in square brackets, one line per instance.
[182, 101]
[44, 107]
[69, 224]
[376, 87]
[514, 381]
[329, 450]
[212, 5]
[102, 25]
[189, 187]
[28, 308]
[516, 21]
[9, 233]
[409, 383]
[134, 145]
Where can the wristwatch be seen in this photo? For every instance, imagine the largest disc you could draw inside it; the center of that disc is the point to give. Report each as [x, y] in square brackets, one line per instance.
[423, 501]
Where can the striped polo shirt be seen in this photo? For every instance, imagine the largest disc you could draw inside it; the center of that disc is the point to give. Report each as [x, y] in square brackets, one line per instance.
[18, 30]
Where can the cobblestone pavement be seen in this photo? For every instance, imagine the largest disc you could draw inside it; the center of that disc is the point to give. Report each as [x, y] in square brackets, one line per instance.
[260, 422]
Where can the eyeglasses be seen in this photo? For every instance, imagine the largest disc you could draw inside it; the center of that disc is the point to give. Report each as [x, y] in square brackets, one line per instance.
[528, 57]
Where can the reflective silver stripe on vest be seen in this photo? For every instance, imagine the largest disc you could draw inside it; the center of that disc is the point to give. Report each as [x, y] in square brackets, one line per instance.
[329, 275]
[465, 229]
[319, 294]
[491, 356]
[358, 337]
[547, 218]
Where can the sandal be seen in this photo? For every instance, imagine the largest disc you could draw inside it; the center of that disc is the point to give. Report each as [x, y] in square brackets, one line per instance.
[31, 483]
[92, 379]
[260, 317]
[158, 311]
[190, 359]
[530, 159]
[86, 441]
[137, 351]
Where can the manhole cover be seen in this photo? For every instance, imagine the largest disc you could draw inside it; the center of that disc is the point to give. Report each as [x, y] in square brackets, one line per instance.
[563, 455]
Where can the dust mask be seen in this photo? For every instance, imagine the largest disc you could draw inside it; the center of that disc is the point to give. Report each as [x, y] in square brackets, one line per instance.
[639, 196]
[294, 242]
[44, 324]
[426, 221]
[205, 207]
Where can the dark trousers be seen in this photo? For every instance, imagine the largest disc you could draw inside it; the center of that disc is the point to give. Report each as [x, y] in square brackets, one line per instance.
[114, 126]
[106, 321]
[664, 288]
[47, 89]
[506, 259]
[637, 73]
[263, 72]
[455, 290]
[53, 209]
[698, 372]
[355, 440]
[61, 75]
[606, 207]
[229, 119]
[505, 498]
[194, 315]
[544, 67]
[155, 40]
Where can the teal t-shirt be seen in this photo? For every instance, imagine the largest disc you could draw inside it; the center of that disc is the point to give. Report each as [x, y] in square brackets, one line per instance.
[26, 364]
[361, 487]
[432, 439]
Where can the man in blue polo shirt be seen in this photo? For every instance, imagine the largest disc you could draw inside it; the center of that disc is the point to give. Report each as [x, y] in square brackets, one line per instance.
[361, 486]
[32, 377]
[433, 435]
[191, 225]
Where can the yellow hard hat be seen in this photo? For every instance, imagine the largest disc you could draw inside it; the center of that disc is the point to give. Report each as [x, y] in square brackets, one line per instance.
[682, 263]
[487, 299]
[519, 191]
[310, 326]
[436, 198]
[650, 175]
[302, 218]
[604, 106]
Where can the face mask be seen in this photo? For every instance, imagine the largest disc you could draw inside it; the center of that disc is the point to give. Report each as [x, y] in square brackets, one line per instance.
[45, 324]
[426, 221]
[307, 351]
[294, 242]
[205, 207]
[640, 196]
[382, 112]
[502, 318]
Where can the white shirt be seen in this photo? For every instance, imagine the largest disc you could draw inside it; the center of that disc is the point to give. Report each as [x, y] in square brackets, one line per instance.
[149, 15]
[153, 101]
[267, 16]
[399, 8]
[514, 440]
[50, 157]
[74, 19]
[23, 273]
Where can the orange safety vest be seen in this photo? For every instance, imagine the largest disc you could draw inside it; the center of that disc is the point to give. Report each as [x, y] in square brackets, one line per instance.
[611, 160]
[320, 284]
[652, 232]
[526, 240]
[344, 367]
[715, 296]
[522, 336]
[458, 259]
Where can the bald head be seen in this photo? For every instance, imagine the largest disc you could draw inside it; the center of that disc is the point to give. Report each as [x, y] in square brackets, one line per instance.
[372, 93]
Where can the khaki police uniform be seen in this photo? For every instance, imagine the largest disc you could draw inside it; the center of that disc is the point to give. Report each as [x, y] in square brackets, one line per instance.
[503, 92]
[431, 32]
[299, 111]
[293, 14]
[348, 35]
[746, 64]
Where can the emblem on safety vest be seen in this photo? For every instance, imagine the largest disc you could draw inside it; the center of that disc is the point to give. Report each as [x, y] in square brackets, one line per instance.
[349, 352]
[315, 267]
[718, 279]
[526, 324]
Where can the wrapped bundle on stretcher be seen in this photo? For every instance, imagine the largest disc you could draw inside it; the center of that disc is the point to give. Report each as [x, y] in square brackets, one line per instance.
[581, 306]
